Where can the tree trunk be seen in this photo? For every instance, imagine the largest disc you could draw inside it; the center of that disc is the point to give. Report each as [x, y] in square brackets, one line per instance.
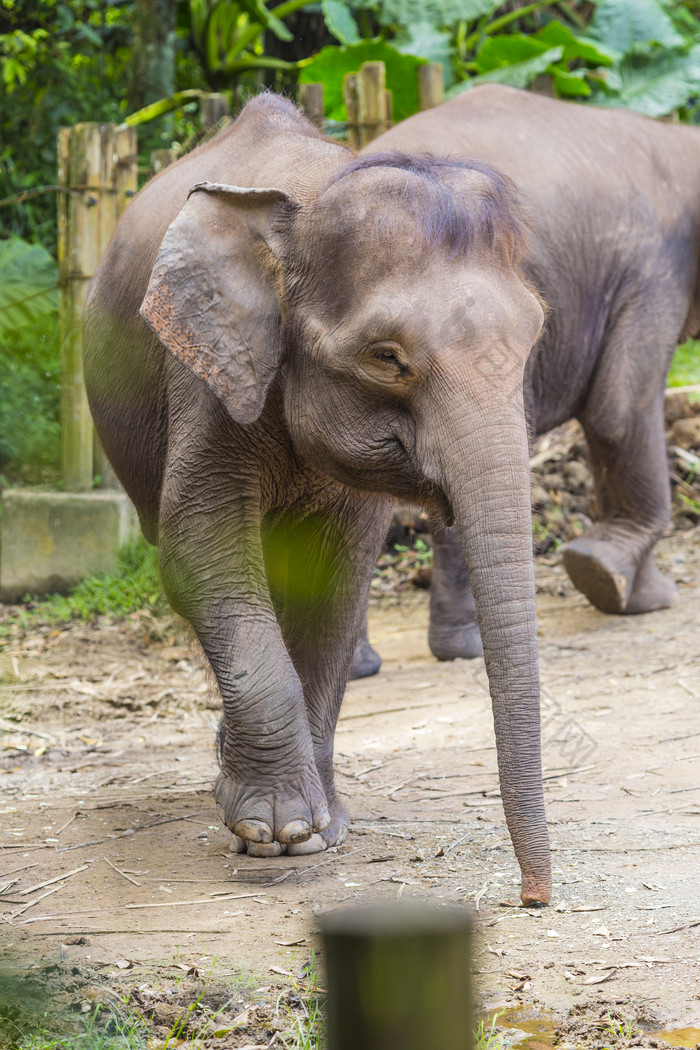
[153, 63]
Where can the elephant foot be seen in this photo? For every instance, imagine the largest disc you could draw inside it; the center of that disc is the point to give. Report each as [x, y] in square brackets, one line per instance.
[319, 841]
[612, 583]
[651, 590]
[272, 817]
[365, 661]
[451, 641]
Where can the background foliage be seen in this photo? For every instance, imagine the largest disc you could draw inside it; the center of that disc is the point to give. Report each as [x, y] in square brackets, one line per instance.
[63, 61]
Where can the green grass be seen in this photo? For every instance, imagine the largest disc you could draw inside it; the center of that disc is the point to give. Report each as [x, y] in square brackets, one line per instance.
[685, 367]
[486, 1037]
[106, 1027]
[135, 585]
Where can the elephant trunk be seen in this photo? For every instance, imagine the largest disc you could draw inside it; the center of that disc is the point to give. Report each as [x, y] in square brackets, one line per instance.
[481, 460]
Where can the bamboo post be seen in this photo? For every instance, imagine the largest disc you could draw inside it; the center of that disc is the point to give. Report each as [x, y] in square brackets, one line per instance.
[120, 170]
[162, 158]
[399, 978]
[212, 109]
[388, 109]
[371, 101]
[97, 164]
[80, 170]
[350, 100]
[431, 88]
[311, 101]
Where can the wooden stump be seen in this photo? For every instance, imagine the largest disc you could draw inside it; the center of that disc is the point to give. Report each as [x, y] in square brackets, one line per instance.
[398, 978]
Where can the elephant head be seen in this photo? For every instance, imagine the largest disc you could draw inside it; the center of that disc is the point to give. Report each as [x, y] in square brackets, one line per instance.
[390, 306]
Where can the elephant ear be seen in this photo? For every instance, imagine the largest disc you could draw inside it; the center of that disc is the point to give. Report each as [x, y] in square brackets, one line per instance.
[212, 299]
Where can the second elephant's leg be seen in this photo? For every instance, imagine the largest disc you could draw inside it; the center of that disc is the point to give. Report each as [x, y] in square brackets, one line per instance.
[612, 564]
[366, 661]
[454, 631]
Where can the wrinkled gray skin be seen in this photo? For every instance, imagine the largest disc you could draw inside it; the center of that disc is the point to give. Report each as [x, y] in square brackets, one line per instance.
[615, 216]
[264, 381]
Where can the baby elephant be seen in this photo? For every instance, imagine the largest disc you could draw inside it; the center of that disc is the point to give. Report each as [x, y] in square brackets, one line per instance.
[280, 338]
[614, 212]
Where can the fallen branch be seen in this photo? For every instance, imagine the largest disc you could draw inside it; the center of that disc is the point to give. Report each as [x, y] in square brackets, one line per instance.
[56, 878]
[677, 929]
[122, 873]
[205, 900]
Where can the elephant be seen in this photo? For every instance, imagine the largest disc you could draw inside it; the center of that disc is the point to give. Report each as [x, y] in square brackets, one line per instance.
[614, 220]
[280, 340]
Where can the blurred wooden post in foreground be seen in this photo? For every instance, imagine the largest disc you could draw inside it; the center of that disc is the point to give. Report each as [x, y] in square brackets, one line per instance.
[431, 89]
[399, 978]
[97, 165]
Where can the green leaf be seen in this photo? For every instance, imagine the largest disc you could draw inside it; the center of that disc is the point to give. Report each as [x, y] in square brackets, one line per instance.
[331, 64]
[507, 49]
[569, 85]
[628, 25]
[258, 11]
[556, 34]
[340, 22]
[437, 12]
[653, 84]
[519, 74]
[28, 284]
[425, 41]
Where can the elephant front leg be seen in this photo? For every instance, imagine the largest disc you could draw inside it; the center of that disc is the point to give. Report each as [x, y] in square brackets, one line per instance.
[269, 792]
[453, 631]
[331, 559]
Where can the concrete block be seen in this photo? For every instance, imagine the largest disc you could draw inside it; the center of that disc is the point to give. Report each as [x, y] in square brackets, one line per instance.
[52, 540]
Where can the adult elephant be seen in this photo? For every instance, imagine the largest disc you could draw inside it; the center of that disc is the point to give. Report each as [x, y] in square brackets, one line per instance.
[268, 362]
[614, 251]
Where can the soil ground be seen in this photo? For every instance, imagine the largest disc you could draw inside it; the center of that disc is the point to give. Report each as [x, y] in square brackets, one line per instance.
[114, 869]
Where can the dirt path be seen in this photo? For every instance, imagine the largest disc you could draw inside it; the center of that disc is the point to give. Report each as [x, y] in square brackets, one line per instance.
[107, 761]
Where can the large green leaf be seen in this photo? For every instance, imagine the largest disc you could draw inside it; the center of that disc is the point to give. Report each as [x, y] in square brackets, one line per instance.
[519, 74]
[556, 34]
[654, 84]
[331, 64]
[28, 284]
[340, 22]
[508, 49]
[437, 12]
[628, 25]
[425, 41]
[569, 85]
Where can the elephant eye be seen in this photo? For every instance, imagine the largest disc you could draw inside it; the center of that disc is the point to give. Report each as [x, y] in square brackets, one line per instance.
[386, 363]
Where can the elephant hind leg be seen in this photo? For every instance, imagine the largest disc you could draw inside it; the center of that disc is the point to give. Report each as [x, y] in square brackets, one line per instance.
[366, 661]
[453, 631]
[612, 564]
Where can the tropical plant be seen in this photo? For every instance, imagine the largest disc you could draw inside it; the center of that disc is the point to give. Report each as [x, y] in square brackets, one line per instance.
[29, 367]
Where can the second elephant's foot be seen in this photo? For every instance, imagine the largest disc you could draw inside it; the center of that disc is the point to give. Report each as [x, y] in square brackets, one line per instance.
[613, 583]
[365, 661]
[454, 641]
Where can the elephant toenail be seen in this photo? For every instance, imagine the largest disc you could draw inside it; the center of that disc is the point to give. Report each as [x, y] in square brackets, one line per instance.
[295, 831]
[253, 831]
